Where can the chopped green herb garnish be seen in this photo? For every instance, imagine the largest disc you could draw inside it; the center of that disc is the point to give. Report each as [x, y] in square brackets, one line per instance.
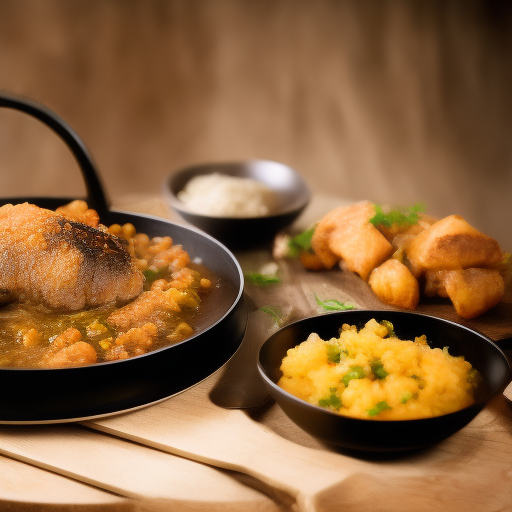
[400, 216]
[354, 372]
[301, 242]
[381, 406]
[389, 326]
[153, 275]
[421, 382]
[406, 397]
[474, 377]
[378, 369]
[261, 279]
[333, 304]
[333, 353]
[333, 402]
[275, 312]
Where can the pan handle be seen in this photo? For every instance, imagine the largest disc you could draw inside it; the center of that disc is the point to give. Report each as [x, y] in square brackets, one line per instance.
[96, 197]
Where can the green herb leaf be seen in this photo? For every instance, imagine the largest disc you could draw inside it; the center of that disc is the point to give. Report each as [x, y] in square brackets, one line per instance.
[378, 369]
[389, 326]
[354, 372]
[406, 397]
[474, 377]
[333, 304]
[332, 402]
[399, 216]
[333, 353]
[153, 275]
[381, 406]
[419, 380]
[301, 242]
[261, 279]
[275, 312]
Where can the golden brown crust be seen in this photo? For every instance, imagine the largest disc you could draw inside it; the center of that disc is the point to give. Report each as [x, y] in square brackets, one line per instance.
[394, 284]
[452, 243]
[358, 242]
[49, 259]
[474, 291]
[320, 238]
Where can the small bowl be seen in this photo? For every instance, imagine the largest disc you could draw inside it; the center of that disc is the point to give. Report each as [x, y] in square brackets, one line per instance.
[292, 193]
[381, 435]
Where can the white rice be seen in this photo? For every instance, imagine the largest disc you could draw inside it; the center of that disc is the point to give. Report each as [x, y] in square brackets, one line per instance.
[220, 195]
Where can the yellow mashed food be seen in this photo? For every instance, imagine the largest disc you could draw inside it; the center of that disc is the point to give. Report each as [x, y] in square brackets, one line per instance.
[371, 374]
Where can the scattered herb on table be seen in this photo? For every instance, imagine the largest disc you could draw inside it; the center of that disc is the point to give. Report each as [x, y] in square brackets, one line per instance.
[259, 279]
[399, 216]
[275, 312]
[333, 304]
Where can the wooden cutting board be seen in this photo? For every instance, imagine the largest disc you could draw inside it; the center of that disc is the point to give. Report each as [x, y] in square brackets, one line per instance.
[470, 471]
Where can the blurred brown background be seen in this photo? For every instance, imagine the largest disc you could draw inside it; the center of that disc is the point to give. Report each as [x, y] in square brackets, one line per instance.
[392, 101]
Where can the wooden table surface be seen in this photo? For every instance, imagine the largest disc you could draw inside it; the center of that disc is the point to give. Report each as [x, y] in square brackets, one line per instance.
[186, 453]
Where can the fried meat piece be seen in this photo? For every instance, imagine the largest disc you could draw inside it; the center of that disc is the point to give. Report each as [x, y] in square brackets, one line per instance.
[346, 233]
[473, 291]
[154, 306]
[450, 244]
[46, 258]
[394, 284]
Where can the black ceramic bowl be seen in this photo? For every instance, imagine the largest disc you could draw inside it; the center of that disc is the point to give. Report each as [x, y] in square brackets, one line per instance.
[239, 233]
[68, 394]
[375, 435]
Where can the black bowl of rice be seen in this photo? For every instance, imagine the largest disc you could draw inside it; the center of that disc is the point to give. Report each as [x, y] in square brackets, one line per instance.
[241, 204]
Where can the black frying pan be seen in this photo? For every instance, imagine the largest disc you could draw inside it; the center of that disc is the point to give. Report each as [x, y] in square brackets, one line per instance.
[68, 394]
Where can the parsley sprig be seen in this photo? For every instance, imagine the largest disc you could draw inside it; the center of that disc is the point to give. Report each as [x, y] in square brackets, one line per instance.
[399, 216]
[333, 304]
[301, 242]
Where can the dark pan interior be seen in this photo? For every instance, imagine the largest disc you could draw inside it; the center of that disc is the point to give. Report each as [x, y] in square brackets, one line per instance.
[46, 395]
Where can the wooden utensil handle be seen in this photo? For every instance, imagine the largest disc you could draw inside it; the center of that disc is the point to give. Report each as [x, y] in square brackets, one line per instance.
[231, 440]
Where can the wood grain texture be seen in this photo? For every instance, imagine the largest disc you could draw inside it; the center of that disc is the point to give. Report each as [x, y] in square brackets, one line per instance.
[154, 480]
[25, 488]
[391, 101]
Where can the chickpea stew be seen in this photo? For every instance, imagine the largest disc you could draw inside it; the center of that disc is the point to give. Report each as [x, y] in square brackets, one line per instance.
[36, 335]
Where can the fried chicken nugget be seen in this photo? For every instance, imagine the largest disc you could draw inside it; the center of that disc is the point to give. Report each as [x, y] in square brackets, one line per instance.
[450, 244]
[320, 238]
[346, 233]
[394, 284]
[473, 291]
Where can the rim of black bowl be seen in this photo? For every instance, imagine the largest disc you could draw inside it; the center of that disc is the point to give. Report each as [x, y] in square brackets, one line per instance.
[170, 192]
[478, 404]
